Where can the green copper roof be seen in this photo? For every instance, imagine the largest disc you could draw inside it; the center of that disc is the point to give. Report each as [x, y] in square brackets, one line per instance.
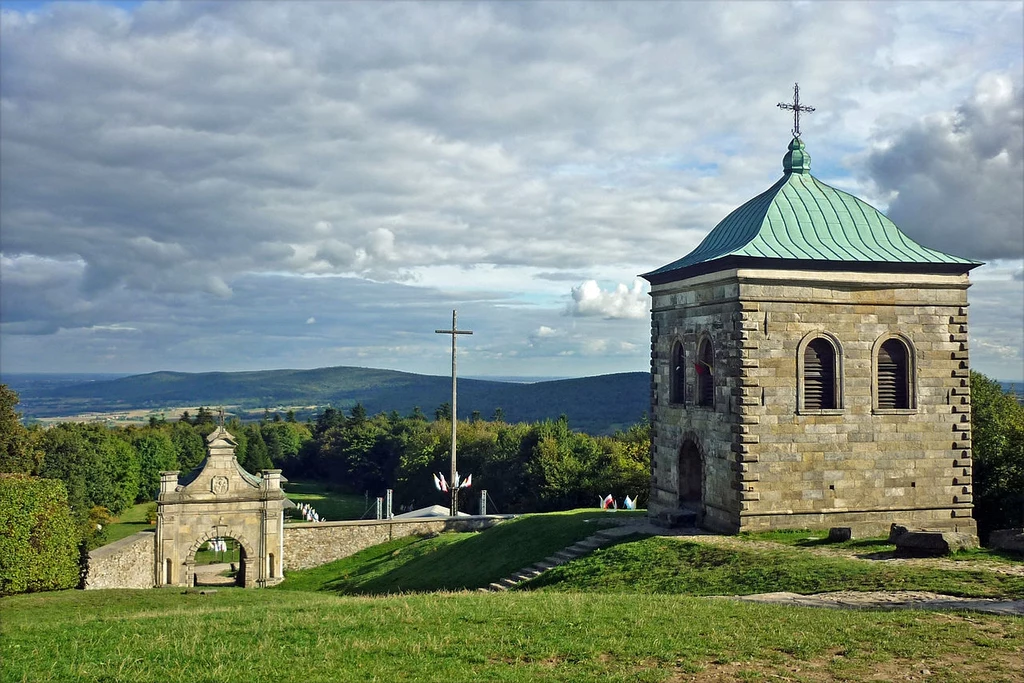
[802, 218]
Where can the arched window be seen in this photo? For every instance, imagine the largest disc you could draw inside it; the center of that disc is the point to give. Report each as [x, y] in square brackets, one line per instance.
[820, 375]
[893, 375]
[705, 367]
[677, 380]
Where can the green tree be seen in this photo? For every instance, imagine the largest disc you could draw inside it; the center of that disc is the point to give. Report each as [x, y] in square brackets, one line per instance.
[205, 420]
[188, 445]
[68, 458]
[118, 488]
[16, 452]
[39, 542]
[156, 454]
[997, 429]
[256, 457]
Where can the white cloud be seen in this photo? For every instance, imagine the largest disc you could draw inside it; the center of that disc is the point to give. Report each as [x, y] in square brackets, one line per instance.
[959, 174]
[588, 299]
[310, 320]
[172, 161]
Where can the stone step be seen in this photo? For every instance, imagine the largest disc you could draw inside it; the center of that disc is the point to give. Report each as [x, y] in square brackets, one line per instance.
[526, 574]
[496, 587]
[508, 582]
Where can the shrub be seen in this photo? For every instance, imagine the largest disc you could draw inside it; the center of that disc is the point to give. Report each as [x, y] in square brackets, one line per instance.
[38, 536]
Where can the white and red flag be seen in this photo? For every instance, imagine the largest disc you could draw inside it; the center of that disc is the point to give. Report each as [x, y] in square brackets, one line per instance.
[444, 484]
[608, 502]
[469, 481]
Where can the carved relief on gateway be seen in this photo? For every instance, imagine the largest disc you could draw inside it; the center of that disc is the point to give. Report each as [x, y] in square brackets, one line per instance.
[219, 485]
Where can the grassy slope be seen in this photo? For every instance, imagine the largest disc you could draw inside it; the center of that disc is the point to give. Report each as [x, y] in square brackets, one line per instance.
[292, 636]
[665, 565]
[330, 504]
[452, 561]
[131, 521]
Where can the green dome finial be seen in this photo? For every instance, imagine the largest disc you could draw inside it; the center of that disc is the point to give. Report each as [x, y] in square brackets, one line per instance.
[797, 160]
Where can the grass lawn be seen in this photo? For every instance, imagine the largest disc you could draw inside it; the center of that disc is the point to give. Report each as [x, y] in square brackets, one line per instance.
[131, 521]
[453, 561]
[329, 503]
[671, 566]
[878, 545]
[169, 635]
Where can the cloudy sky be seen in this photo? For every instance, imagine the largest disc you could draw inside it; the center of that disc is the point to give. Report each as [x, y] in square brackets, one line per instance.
[226, 186]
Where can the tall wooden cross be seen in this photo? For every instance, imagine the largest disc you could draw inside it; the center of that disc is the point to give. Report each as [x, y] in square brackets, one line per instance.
[452, 487]
[796, 108]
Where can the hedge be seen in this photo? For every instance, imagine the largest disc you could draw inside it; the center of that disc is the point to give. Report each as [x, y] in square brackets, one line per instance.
[38, 537]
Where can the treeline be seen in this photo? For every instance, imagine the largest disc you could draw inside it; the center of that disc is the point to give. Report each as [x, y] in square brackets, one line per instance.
[525, 467]
[541, 466]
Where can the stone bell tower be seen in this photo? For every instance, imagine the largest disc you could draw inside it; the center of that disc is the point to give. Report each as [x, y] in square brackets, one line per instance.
[809, 368]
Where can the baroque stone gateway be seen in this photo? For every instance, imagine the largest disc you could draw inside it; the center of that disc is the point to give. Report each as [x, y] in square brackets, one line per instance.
[219, 499]
[809, 369]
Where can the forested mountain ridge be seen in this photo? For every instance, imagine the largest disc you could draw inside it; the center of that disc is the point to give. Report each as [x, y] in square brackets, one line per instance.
[598, 404]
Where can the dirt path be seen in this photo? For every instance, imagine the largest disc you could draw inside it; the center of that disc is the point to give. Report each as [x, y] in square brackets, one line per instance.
[890, 600]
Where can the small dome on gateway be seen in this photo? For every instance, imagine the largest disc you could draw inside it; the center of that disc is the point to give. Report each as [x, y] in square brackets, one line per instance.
[803, 224]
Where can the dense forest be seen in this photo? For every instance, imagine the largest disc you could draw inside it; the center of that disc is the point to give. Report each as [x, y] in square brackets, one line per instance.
[538, 466]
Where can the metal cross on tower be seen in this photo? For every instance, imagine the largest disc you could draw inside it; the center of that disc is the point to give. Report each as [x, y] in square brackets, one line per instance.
[796, 107]
[454, 488]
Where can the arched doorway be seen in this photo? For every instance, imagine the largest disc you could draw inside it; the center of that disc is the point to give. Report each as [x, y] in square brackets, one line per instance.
[691, 475]
[219, 562]
[220, 559]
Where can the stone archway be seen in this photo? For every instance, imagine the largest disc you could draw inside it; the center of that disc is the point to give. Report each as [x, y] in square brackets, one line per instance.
[246, 575]
[691, 475]
[216, 500]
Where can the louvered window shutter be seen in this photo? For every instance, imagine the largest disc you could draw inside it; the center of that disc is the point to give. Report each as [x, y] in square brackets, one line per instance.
[819, 376]
[677, 386]
[893, 385]
[706, 379]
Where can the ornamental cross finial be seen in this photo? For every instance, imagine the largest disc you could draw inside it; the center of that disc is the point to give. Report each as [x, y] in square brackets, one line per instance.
[796, 107]
[221, 416]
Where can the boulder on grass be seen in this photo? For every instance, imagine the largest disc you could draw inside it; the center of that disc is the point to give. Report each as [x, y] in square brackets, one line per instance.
[838, 534]
[1007, 539]
[895, 531]
[925, 543]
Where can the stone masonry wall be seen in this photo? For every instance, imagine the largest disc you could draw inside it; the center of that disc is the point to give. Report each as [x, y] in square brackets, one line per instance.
[768, 465]
[312, 544]
[688, 316]
[861, 466]
[127, 563]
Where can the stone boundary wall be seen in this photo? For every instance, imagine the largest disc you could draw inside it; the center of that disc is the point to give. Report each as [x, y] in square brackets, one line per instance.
[127, 563]
[311, 544]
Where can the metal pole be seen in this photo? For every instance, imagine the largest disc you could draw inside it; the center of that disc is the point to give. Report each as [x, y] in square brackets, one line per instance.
[387, 505]
[455, 489]
[380, 502]
[483, 502]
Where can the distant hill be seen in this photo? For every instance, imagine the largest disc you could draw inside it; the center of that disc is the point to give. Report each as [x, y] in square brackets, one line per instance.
[597, 405]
